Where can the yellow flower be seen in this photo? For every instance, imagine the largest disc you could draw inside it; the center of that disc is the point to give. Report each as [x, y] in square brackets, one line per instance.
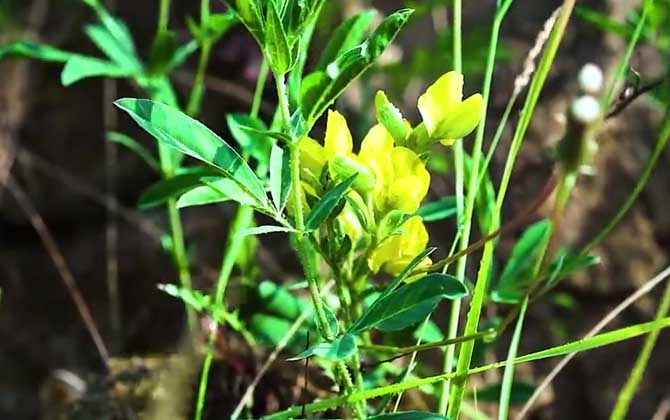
[446, 116]
[397, 251]
[402, 180]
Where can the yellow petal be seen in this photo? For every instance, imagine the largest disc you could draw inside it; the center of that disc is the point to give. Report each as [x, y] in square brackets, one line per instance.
[415, 238]
[350, 223]
[389, 250]
[312, 158]
[462, 120]
[440, 99]
[376, 150]
[410, 182]
[338, 137]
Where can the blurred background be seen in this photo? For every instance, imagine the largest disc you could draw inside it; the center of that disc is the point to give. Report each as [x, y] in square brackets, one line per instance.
[53, 151]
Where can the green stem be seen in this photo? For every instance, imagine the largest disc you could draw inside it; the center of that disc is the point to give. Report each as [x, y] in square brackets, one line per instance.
[198, 89]
[243, 220]
[628, 391]
[462, 220]
[508, 375]
[401, 351]
[260, 87]
[465, 356]
[473, 183]
[163, 16]
[304, 248]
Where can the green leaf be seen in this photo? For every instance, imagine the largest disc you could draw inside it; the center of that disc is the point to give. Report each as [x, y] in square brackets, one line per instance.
[165, 189]
[325, 206]
[349, 34]
[603, 22]
[193, 298]
[320, 88]
[216, 190]
[80, 67]
[262, 230]
[249, 132]
[278, 300]
[567, 263]
[181, 132]
[180, 55]
[486, 197]
[431, 333]
[338, 349]
[116, 51]
[249, 13]
[162, 52]
[136, 147]
[409, 304]
[333, 324]
[280, 177]
[521, 392]
[409, 415]
[277, 48]
[27, 49]
[269, 329]
[519, 268]
[441, 209]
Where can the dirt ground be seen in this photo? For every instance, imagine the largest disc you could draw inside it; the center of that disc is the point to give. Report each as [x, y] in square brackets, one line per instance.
[51, 148]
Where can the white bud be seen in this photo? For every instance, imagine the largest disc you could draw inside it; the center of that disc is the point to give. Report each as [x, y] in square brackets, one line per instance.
[585, 109]
[590, 78]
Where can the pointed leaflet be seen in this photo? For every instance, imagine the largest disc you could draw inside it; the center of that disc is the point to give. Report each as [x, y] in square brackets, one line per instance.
[280, 177]
[133, 145]
[249, 13]
[165, 189]
[43, 52]
[517, 273]
[181, 132]
[338, 349]
[277, 48]
[80, 67]
[119, 53]
[325, 206]
[216, 190]
[409, 304]
[440, 209]
[262, 230]
[349, 34]
[320, 88]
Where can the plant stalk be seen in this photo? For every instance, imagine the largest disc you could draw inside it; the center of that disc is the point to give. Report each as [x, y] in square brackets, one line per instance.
[465, 356]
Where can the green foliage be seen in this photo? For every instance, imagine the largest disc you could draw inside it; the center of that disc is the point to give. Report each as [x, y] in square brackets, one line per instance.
[321, 88]
[327, 204]
[441, 209]
[409, 304]
[280, 177]
[177, 130]
[518, 271]
[409, 415]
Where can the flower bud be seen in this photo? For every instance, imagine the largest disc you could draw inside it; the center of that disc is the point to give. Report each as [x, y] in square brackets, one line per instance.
[343, 167]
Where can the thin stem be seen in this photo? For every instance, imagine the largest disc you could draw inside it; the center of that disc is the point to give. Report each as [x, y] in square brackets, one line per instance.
[198, 89]
[479, 294]
[473, 183]
[304, 248]
[260, 87]
[179, 255]
[243, 219]
[628, 391]
[463, 221]
[508, 375]
[163, 15]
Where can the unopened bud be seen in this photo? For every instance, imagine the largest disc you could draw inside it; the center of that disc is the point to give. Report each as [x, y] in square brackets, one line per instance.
[342, 168]
[590, 79]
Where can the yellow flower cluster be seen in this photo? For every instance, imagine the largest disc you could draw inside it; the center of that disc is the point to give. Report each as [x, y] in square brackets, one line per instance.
[391, 174]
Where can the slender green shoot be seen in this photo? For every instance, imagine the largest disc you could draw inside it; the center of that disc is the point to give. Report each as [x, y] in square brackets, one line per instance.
[452, 331]
[465, 356]
[628, 391]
